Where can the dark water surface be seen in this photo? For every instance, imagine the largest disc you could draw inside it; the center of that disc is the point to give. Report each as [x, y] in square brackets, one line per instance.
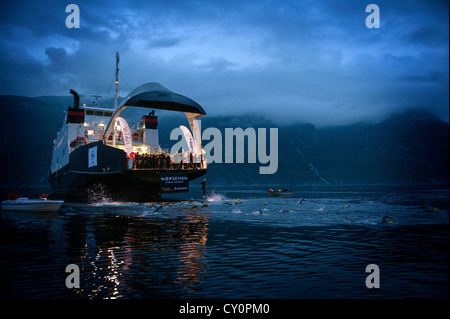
[285, 249]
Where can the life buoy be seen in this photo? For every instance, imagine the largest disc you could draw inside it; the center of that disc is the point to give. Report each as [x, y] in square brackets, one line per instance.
[78, 140]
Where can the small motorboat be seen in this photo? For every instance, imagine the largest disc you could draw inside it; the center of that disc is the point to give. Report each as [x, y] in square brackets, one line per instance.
[280, 193]
[24, 204]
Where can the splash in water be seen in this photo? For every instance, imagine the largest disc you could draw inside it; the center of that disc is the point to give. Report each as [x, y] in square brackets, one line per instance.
[98, 193]
[213, 197]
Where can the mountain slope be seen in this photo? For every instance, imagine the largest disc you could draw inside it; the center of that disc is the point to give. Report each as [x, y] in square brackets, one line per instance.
[405, 148]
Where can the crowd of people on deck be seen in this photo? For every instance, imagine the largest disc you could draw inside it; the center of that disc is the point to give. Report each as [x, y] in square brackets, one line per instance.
[163, 160]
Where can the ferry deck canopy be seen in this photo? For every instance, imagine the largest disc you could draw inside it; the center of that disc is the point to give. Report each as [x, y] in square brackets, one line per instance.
[155, 96]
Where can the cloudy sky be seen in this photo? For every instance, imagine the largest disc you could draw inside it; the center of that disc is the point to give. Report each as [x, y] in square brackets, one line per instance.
[310, 61]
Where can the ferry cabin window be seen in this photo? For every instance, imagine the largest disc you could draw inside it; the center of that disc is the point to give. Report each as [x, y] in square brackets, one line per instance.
[99, 113]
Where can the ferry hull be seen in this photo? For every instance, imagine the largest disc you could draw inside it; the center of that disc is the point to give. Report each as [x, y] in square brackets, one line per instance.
[110, 178]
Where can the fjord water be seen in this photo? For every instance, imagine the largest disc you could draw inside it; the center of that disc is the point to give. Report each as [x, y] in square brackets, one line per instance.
[235, 248]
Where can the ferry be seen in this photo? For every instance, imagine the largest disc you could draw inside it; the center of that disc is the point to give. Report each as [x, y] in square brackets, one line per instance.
[97, 151]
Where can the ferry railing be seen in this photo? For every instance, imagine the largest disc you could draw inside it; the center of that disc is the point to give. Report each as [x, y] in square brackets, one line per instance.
[156, 163]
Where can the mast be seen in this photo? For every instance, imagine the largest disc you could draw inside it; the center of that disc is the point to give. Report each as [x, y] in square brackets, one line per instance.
[117, 80]
[115, 95]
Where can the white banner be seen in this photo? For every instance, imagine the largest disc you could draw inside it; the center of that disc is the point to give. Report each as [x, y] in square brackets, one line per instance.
[126, 133]
[189, 139]
[196, 131]
[92, 157]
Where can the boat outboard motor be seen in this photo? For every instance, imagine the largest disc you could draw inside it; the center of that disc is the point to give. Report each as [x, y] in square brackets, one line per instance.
[76, 99]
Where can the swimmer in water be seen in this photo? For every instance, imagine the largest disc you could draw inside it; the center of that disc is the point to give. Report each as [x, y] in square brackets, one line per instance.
[158, 208]
[236, 202]
[385, 221]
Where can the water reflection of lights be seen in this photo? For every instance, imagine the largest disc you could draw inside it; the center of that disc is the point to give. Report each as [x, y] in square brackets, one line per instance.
[112, 273]
[114, 277]
[192, 252]
[133, 255]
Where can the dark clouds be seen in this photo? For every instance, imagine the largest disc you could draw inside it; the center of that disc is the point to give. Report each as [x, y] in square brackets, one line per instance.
[293, 60]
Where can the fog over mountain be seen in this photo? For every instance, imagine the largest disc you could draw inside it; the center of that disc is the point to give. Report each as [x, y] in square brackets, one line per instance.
[408, 147]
